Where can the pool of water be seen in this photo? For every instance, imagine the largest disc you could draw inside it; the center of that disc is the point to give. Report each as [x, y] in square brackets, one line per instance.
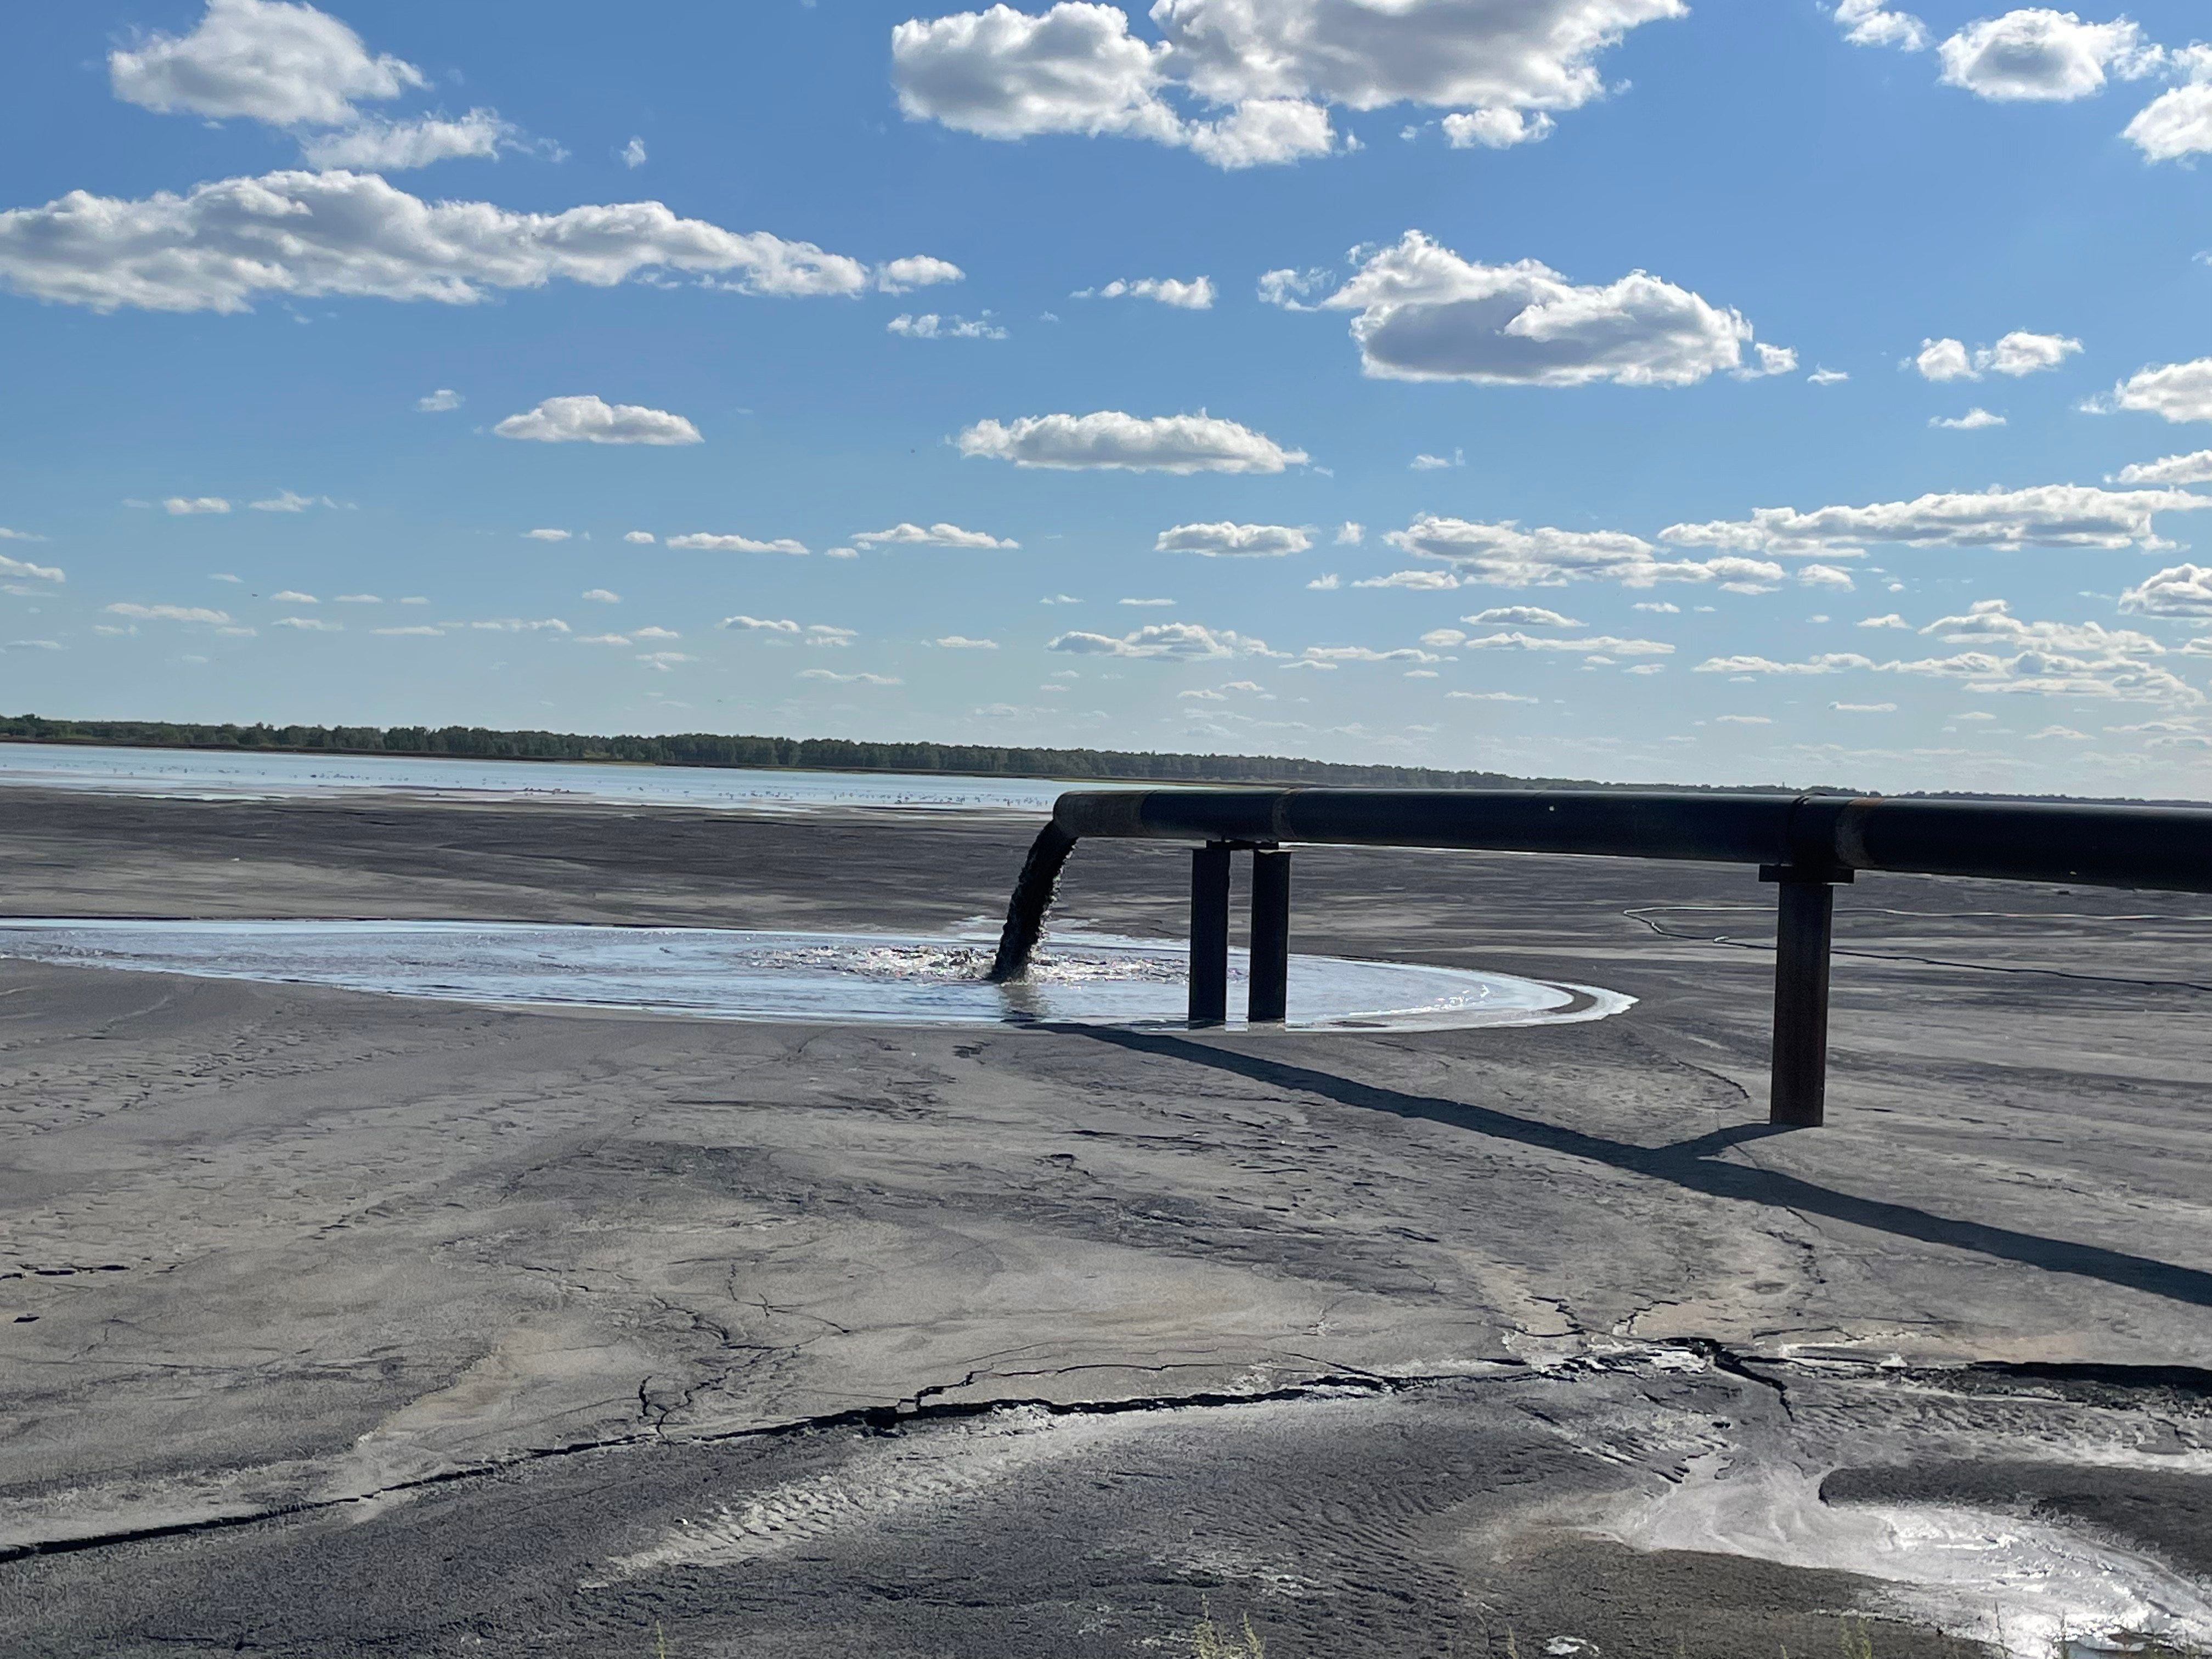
[709, 973]
[219, 775]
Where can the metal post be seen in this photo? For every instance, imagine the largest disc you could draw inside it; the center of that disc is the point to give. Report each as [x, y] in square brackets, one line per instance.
[1209, 934]
[1797, 1094]
[1270, 936]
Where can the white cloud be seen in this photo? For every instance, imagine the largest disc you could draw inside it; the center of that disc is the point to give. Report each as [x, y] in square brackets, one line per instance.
[1196, 294]
[601, 596]
[1274, 66]
[1427, 315]
[2194, 468]
[1522, 615]
[849, 679]
[1661, 607]
[2038, 54]
[1828, 662]
[309, 624]
[419, 628]
[1229, 540]
[593, 419]
[760, 625]
[2044, 515]
[824, 634]
[2177, 122]
[8, 535]
[962, 642]
[45, 573]
[632, 155]
[357, 598]
[1971, 421]
[290, 596]
[639, 538]
[1495, 129]
[1350, 533]
[1108, 438]
[2181, 590]
[1426, 463]
[1489, 696]
[588, 638]
[1991, 622]
[285, 64]
[1604, 644]
[1871, 23]
[547, 535]
[285, 502]
[903, 534]
[1743, 720]
[916, 270]
[1333, 654]
[1827, 377]
[1145, 601]
[1825, 575]
[1181, 642]
[440, 401]
[655, 634]
[180, 505]
[2176, 391]
[191, 613]
[665, 661]
[518, 625]
[1289, 287]
[2018, 353]
[1893, 620]
[1328, 583]
[931, 326]
[394, 146]
[1423, 580]
[1506, 556]
[701, 541]
[221, 246]
[1865, 708]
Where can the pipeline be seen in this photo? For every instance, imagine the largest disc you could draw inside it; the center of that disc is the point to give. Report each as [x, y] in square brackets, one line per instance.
[1033, 894]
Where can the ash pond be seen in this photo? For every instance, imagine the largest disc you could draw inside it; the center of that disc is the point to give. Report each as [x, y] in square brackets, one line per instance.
[706, 973]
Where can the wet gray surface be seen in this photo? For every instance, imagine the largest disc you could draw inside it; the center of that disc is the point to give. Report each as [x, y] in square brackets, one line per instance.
[559, 1325]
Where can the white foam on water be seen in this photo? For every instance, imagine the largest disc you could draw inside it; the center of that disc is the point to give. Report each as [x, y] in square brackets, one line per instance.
[2022, 1585]
[711, 972]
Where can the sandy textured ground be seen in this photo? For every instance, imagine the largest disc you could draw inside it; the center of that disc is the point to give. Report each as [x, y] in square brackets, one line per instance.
[345, 1324]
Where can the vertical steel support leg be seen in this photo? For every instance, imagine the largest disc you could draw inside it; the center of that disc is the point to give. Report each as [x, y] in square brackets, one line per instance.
[1797, 1096]
[1270, 936]
[1209, 934]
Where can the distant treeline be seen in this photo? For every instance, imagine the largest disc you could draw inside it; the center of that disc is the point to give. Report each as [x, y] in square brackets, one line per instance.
[711, 749]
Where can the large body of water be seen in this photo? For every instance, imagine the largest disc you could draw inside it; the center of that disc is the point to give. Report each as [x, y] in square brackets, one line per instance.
[223, 774]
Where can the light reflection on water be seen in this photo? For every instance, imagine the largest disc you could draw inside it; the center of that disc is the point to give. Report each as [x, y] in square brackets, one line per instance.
[729, 974]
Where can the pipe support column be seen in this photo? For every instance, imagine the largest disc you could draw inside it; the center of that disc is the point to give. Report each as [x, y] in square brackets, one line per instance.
[1270, 981]
[1209, 934]
[1805, 924]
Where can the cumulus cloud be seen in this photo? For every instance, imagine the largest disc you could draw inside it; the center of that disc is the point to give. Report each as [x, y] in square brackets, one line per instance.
[632, 155]
[1991, 622]
[760, 625]
[1971, 421]
[1181, 641]
[180, 506]
[292, 596]
[45, 573]
[2178, 122]
[1824, 575]
[221, 246]
[516, 625]
[309, 624]
[1827, 377]
[1290, 288]
[1427, 315]
[1514, 639]
[602, 596]
[1195, 295]
[2174, 392]
[1328, 656]
[547, 534]
[2194, 468]
[1829, 662]
[2181, 590]
[1108, 438]
[1871, 23]
[928, 325]
[702, 542]
[962, 642]
[2041, 54]
[1505, 555]
[593, 420]
[1893, 620]
[1426, 463]
[286, 64]
[1273, 68]
[849, 679]
[2044, 515]
[1226, 540]
[1520, 615]
[438, 402]
[916, 270]
[395, 146]
[186, 613]
[285, 500]
[2019, 352]
[903, 534]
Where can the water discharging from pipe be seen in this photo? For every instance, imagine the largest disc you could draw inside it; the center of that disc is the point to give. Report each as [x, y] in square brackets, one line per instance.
[710, 973]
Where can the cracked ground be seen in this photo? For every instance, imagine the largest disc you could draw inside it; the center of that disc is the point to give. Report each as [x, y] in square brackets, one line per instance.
[334, 1324]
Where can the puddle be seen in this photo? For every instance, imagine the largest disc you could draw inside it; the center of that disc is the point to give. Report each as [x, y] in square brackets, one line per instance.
[729, 974]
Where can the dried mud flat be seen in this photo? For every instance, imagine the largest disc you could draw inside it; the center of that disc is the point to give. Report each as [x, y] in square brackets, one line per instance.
[333, 1324]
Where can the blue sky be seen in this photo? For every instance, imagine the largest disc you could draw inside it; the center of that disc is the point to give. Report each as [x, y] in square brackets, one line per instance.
[1718, 392]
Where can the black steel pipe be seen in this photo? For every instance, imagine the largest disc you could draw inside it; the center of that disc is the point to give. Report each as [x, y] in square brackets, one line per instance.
[1209, 934]
[1797, 1075]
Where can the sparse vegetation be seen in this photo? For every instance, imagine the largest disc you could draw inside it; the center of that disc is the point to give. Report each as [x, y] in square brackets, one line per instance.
[1209, 1641]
